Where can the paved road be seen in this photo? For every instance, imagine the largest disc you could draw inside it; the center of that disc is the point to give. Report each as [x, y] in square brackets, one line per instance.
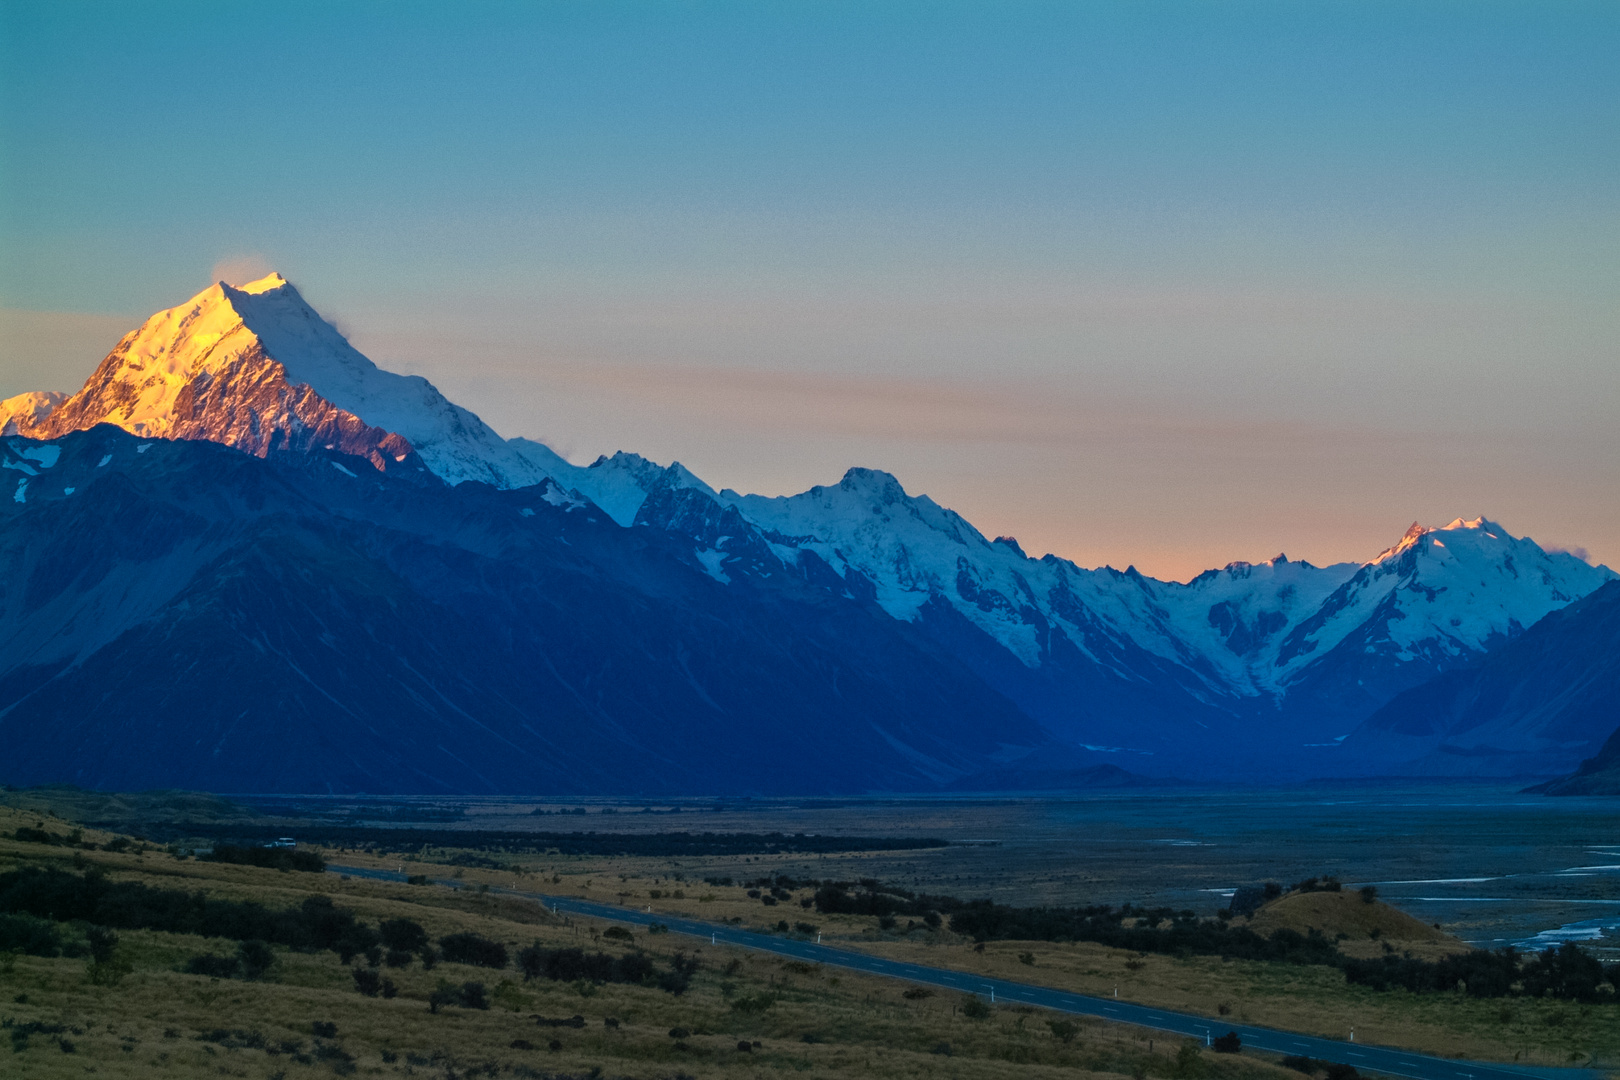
[1379, 1059]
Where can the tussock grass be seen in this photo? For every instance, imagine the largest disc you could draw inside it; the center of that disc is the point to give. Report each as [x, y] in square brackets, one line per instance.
[809, 1019]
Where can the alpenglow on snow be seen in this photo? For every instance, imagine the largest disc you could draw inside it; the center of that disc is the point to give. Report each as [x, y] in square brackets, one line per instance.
[255, 367]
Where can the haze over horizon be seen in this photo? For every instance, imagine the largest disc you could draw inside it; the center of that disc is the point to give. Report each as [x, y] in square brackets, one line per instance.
[1138, 284]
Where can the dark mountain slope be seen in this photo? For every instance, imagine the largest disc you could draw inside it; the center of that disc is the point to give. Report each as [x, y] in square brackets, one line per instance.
[186, 615]
[1598, 775]
[1536, 705]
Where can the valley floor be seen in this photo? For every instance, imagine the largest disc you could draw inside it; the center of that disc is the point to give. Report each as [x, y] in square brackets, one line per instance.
[804, 1018]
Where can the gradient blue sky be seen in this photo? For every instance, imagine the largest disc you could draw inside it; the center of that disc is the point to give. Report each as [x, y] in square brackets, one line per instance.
[1156, 283]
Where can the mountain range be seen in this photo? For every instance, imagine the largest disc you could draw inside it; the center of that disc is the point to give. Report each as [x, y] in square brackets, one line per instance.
[244, 557]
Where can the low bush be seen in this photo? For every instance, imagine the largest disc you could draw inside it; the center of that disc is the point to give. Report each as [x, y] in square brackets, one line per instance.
[576, 965]
[403, 935]
[268, 858]
[33, 936]
[129, 905]
[469, 995]
[371, 984]
[253, 960]
[474, 949]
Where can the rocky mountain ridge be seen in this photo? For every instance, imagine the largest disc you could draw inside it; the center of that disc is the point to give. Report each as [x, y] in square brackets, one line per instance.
[1122, 666]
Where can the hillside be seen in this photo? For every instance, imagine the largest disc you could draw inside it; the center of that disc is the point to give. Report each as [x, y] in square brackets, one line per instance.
[1525, 709]
[1367, 927]
[1598, 775]
[399, 579]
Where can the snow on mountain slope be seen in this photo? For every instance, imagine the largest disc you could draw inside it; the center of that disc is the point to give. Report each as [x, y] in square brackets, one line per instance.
[1246, 631]
[256, 367]
[26, 410]
[454, 443]
[1442, 594]
[913, 549]
[618, 484]
[1236, 616]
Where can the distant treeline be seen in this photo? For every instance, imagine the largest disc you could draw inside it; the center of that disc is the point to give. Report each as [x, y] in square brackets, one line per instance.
[657, 845]
[1567, 972]
[56, 896]
[35, 902]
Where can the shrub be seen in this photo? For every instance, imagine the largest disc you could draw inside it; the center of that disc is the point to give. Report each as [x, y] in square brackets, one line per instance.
[886, 922]
[1300, 1063]
[256, 958]
[403, 935]
[576, 965]
[1189, 1062]
[128, 905]
[679, 975]
[469, 948]
[269, 858]
[106, 966]
[1227, 1044]
[1340, 1071]
[30, 935]
[1247, 900]
[974, 1009]
[323, 1029]
[397, 958]
[618, 933]
[756, 1003]
[1369, 893]
[367, 982]
[473, 996]
[1063, 1031]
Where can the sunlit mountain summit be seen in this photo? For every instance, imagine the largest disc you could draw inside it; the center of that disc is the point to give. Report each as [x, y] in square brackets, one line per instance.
[1253, 666]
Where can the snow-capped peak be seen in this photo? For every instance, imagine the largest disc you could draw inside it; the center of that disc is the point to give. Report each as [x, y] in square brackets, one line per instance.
[453, 442]
[1445, 592]
[271, 282]
[255, 366]
[18, 414]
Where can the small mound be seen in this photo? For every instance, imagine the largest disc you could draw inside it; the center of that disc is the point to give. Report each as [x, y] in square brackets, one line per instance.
[1335, 913]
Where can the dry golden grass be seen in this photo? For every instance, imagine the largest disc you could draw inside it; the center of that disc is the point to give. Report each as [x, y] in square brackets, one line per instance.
[1311, 999]
[160, 1022]
[1366, 927]
[154, 1022]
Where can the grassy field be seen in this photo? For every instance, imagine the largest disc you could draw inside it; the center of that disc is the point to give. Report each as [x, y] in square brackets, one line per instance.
[795, 1018]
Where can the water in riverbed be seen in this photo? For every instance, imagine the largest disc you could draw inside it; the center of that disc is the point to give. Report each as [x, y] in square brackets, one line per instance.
[1488, 863]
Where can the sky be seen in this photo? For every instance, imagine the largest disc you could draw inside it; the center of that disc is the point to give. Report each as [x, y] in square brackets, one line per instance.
[1153, 284]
